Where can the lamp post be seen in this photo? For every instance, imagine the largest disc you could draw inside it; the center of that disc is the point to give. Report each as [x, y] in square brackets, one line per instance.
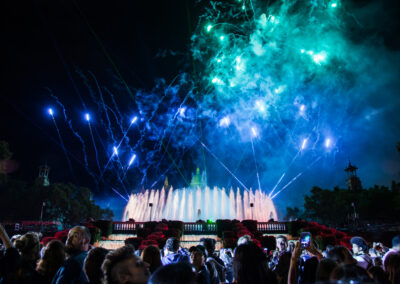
[41, 217]
[151, 207]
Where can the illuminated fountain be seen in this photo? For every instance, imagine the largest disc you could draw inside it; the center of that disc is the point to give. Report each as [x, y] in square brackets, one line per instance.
[199, 202]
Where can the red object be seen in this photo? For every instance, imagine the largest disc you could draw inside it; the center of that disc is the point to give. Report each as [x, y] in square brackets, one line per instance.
[62, 235]
[46, 240]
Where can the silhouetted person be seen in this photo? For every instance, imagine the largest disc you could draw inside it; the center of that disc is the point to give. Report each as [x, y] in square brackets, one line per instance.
[198, 260]
[360, 248]
[250, 265]
[151, 255]
[175, 273]
[53, 258]
[92, 265]
[395, 249]
[76, 247]
[171, 251]
[122, 266]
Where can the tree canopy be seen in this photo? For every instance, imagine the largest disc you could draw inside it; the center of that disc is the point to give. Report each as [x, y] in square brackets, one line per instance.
[376, 204]
[66, 203]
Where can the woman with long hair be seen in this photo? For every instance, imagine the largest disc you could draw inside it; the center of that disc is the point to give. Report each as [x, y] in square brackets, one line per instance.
[152, 256]
[53, 258]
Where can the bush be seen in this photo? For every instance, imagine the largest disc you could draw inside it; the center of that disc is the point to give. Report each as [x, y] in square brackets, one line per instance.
[95, 233]
[135, 242]
[46, 240]
[175, 233]
[146, 243]
[294, 227]
[229, 243]
[175, 225]
[143, 232]
[62, 235]
[251, 225]
[228, 234]
[268, 242]
[257, 235]
[105, 226]
[223, 225]
[150, 225]
[161, 227]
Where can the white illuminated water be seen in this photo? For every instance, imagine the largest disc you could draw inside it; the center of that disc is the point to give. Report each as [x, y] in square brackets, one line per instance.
[192, 204]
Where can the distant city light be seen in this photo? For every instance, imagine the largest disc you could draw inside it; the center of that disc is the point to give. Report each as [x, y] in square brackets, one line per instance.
[115, 150]
[302, 108]
[209, 27]
[334, 5]
[87, 117]
[51, 111]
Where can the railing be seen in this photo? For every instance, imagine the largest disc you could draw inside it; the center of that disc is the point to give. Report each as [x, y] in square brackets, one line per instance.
[126, 227]
[199, 228]
[21, 227]
[272, 227]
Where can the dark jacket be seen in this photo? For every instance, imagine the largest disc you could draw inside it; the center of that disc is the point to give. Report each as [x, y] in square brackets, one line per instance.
[175, 258]
[71, 271]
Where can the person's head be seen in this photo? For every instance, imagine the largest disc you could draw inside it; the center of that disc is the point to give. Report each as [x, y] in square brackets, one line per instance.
[324, 270]
[14, 238]
[350, 272]
[377, 261]
[197, 256]
[122, 266]
[291, 246]
[176, 273]
[341, 255]
[172, 245]
[392, 267]
[396, 243]
[209, 244]
[281, 243]
[78, 240]
[151, 255]
[92, 265]
[28, 246]
[359, 245]
[53, 258]
[133, 242]
[243, 240]
[250, 265]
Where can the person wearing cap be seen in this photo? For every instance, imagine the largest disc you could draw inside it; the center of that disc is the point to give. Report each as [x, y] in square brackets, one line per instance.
[198, 260]
[395, 249]
[360, 248]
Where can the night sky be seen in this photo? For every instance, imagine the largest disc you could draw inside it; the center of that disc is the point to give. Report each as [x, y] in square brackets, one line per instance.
[267, 87]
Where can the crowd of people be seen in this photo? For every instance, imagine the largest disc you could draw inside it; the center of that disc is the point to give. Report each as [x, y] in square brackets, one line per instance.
[24, 260]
